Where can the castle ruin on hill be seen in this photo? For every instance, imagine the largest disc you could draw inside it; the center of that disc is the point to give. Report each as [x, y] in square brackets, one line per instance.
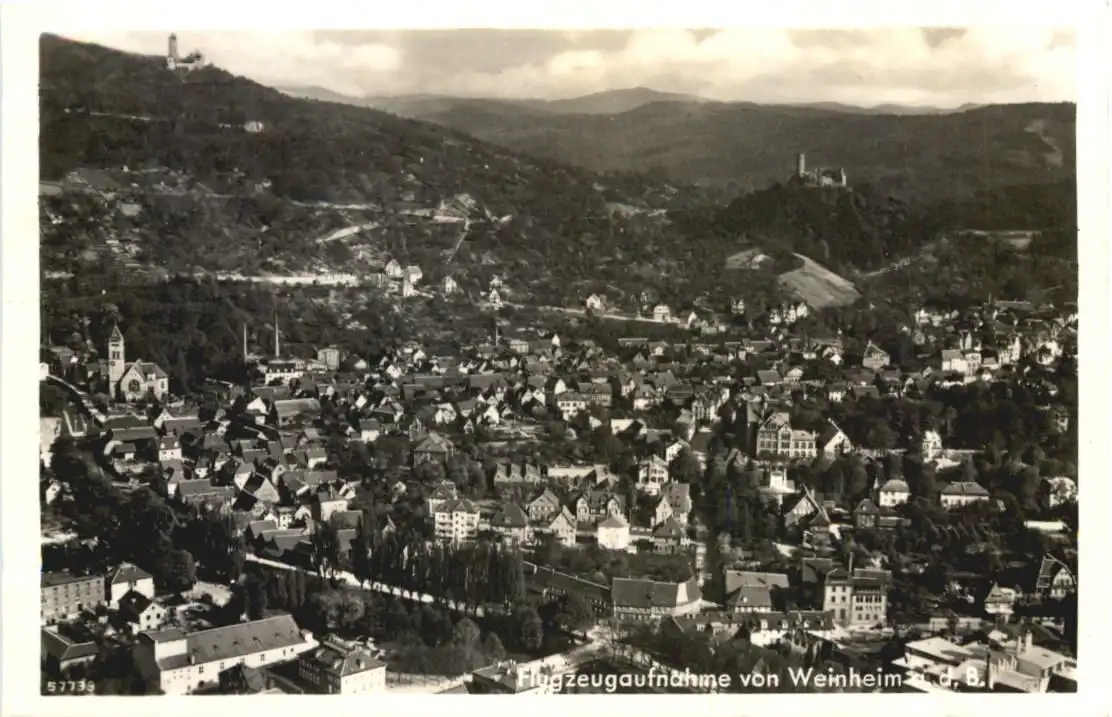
[192, 61]
[818, 177]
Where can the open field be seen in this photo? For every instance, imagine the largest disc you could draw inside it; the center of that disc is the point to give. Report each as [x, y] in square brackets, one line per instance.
[818, 286]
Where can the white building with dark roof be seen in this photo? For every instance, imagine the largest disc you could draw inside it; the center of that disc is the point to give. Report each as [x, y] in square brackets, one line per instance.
[341, 668]
[894, 492]
[456, 521]
[961, 493]
[640, 599]
[180, 663]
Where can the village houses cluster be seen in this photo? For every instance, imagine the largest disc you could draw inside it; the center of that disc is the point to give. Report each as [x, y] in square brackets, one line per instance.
[263, 455]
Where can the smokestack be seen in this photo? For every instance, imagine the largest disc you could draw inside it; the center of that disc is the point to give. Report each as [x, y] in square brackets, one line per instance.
[801, 164]
[245, 342]
[172, 50]
[277, 334]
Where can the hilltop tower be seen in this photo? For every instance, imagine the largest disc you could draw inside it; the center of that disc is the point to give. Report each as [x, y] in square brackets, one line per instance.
[117, 364]
[800, 164]
[172, 52]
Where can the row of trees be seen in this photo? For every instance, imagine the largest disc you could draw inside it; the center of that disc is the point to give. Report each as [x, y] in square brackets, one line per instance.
[429, 638]
[473, 574]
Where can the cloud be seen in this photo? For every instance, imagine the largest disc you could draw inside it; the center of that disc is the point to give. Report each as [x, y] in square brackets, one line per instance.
[937, 66]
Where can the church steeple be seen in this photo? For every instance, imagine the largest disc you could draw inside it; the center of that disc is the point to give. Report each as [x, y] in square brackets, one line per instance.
[117, 362]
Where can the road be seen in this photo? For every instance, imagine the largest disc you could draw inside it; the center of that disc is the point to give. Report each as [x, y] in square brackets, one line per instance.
[81, 397]
[583, 312]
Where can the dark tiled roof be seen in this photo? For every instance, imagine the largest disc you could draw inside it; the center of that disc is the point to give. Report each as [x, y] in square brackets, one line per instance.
[134, 603]
[64, 577]
[128, 573]
[753, 596]
[63, 649]
[342, 660]
[964, 488]
[635, 592]
[736, 579]
[511, 516]
[542, 577]
[233, 641]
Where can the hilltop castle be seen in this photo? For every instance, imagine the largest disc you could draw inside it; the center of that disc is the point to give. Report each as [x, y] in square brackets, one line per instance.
[819, 177]
[192, 61]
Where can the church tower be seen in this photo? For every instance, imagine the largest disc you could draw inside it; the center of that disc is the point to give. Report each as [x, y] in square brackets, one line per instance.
[117, 363]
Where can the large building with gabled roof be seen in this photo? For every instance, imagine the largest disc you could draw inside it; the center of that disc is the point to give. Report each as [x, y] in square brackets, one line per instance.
[179, 663]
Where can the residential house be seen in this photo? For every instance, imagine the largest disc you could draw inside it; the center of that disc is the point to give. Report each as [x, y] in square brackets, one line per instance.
[931, 446]
[652, 474]
[178, 663]
[60, 653]
[595, 303]
[571, 404]
[444, 492]
[769, 378]
[857, 598]
[775, 436]
[673, 449]
[64, 595]
[678, 496]
[662, 313]
[640, 599]
[961, 493]
[613, 533]
[562, 526]
[128, 578]
[434, 448]
[801, 509]
[512, 524]
[593, 506]
[294, 411]
[337, 667]
[874, 358]
[543, 507]
[953, 361]
[832, 442]
[140, 612]
[793, 376]
[282, 371]
[456, 521]
[1055, 580]
[510, 474]
[894, 492]
[669, 537]
[999, 603]
[748, 592]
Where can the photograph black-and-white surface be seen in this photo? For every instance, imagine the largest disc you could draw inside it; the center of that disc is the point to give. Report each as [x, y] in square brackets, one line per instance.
[542, 362]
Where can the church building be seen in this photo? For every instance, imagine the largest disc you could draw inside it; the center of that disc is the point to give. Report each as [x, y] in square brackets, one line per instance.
[132, 381]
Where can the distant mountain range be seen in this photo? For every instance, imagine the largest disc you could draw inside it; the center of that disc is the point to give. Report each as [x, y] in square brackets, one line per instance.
[915, 152]
[607, 102]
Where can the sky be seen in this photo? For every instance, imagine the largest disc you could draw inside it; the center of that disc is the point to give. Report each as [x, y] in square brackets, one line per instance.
[913, 66]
